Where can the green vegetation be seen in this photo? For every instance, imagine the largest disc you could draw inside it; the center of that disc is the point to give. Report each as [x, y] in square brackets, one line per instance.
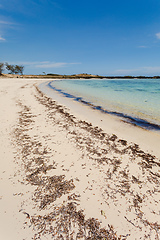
[15, 69]
[91, 76]
[12, 69]
[18, 69]
[74, 76]
[1, 68]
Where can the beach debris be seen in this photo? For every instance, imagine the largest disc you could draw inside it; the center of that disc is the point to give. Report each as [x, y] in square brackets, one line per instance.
[126, 171]
[103, 213]
[68, 223]
[51, 188]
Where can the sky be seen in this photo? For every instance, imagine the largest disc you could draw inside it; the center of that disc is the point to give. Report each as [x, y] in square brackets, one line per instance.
[86, 36]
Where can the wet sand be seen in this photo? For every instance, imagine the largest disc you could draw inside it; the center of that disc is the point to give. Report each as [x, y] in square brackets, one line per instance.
[68, 172]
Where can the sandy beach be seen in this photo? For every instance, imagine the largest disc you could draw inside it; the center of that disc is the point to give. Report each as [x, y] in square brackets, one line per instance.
[71, 172]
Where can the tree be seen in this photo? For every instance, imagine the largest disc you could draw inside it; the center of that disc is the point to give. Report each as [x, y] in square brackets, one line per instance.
[1, 68]
[10, 68]
[15, 69]
[19, 69]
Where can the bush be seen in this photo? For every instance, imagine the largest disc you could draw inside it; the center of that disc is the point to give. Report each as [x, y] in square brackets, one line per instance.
[15, 69]
[1, 68]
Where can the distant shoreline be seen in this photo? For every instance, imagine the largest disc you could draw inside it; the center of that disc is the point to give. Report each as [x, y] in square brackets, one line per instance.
[75, 76]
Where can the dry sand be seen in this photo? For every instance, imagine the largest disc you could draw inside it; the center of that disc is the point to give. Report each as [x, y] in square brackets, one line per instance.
[70, 172]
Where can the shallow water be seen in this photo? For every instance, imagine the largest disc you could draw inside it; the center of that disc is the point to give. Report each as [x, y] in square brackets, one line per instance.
[137, 99]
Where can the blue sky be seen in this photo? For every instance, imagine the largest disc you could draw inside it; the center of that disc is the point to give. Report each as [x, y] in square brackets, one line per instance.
[64, 36]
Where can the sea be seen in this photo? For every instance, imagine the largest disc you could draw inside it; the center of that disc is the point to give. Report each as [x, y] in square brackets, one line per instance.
[134, 100]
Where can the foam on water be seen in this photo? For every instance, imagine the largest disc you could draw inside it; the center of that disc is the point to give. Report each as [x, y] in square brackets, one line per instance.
[135, 99]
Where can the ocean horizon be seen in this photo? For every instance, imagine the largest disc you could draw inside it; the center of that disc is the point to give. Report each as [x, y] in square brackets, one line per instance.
[135, 100]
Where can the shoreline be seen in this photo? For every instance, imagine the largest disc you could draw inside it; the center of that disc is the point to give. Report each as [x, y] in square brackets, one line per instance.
[75, 172]
[143, 123]
[147, 139]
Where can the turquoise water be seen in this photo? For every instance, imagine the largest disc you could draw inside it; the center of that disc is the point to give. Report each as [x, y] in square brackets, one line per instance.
[137, 98]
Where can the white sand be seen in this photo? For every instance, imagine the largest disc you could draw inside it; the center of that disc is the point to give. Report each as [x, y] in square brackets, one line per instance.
[119, 189]
[148, 140]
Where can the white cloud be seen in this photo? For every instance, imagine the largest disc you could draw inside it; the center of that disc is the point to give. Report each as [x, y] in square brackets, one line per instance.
[5, 23]
[143, 47]
[2, 39]
[158, 35]
[126, 71]
[29, 63]
[139, 71]
[51, 65]
[152, 69]
[44, 64]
